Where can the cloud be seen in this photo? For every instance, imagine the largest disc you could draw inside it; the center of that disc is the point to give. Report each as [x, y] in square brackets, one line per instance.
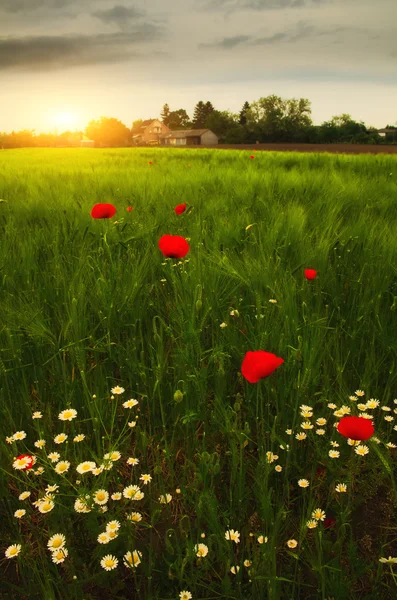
[228, 42]
[121, 15]
[259, 5]
[303, 31]
[16, 6]
[58, 52]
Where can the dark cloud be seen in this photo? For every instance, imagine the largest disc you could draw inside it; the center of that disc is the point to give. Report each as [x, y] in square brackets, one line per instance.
[16, 6]
[303, 32]
[228, 42]
[58, 52]
[259, 5]
[120, 15]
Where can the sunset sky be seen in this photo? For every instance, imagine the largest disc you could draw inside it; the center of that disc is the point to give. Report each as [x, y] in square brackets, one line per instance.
[64, 62]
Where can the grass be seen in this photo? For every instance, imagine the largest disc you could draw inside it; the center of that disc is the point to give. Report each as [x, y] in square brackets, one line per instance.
[87, 305]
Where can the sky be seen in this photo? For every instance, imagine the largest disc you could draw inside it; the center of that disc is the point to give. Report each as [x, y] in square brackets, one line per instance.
[65, 62]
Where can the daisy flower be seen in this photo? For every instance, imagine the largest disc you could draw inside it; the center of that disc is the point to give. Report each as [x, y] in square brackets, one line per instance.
[201, 550]
[113, 526]
[334, 454]
[303, 483]
[359, 393]
[13, 550]
[318, 514]
[132, 559]
[307, 425]
[292, 543]
[46, 506]
[232, 535]
[24, 495]
[341, 487]
[58, 556]
[115, 455]
[103, 538]
[59, 439]
[146, 478]
[19, 513]
[131, 424]
[361, 450]
[54, 456]
[68, 414]
[134, 516]
[101, 496]
[165, 499]
[117, 390]
[321, 421]
[109, 562]
[312, 524]
[131, 491]
[56, 542]
[37, 415]
[278, 468]
[233, 570]
[130, 403]
[320, 431]
[116, 496]
[389, 560]
[85, 467]
[262, 539]
[132, 461]
[62, 467]
[40, 443]
[19, 435]
[79, 438]
[185, 595]
[301, 436]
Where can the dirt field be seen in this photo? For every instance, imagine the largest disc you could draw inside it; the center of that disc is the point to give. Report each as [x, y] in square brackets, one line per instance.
[334, 148]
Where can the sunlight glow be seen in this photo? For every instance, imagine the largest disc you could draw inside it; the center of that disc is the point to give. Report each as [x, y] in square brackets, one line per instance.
[64, 120]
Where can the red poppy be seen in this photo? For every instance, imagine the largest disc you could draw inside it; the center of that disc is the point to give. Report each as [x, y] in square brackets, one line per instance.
[129, 208]
[356, 428]
[329, 522]
[28, 466]
[150, 162]
[180, 208]
[103, 211]
[173, 246]
[259, 364]
[310, 273]
[252, 156]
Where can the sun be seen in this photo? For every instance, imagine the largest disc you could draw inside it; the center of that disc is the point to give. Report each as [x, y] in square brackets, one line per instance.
[64, 120]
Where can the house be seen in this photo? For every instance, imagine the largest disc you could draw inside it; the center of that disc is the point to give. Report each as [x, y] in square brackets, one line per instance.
[86, 143]
[149, 131]
[189, 137]
[386, 131]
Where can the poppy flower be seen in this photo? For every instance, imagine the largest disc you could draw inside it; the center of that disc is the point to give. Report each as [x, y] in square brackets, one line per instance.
[150, 162]
[180, 208]
[310, 273]
[356, 428]
[103, 211]
[329, 522]
[259, 364]
[252, 156]
[29, 465]
[129, 208]
[173, 246]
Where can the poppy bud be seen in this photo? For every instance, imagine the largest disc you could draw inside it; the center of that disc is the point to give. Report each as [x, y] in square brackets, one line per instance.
[199, 305]
[178, 396]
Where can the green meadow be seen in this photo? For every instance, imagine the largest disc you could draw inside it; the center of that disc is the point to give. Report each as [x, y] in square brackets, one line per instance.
[93, 316]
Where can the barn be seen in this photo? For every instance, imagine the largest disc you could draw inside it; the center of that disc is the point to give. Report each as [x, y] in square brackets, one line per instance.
[189, 137]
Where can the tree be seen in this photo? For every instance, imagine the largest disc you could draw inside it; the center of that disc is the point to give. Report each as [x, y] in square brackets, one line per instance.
[225, 125]
[273, 119]
[243, 118]
[165, 114]
[136, 124]
[108, 132]
[201, 112]
[178, 119]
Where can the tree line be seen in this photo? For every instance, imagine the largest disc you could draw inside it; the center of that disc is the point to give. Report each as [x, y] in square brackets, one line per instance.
[267, 120]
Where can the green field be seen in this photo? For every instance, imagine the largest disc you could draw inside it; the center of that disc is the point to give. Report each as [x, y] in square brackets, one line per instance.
[88, 305]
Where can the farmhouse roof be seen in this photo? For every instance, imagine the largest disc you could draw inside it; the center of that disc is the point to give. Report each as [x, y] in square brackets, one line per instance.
[184, 133]
[143, 126]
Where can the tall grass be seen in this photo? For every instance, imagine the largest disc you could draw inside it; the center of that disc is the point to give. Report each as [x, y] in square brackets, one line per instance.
[87, 305]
